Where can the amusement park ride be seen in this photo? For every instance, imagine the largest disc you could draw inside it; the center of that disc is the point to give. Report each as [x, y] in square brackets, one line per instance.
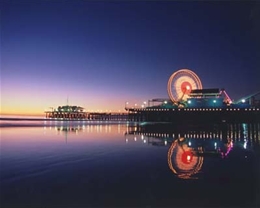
[189, 99]
[184, 85]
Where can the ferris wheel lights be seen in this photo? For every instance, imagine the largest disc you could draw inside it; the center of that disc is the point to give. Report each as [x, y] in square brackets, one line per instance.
[181, 83]
[188, 157]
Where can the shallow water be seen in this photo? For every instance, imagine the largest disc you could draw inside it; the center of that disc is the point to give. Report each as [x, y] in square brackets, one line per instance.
[102, 164]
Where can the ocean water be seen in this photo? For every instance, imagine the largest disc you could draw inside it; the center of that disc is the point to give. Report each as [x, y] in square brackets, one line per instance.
[121, 164]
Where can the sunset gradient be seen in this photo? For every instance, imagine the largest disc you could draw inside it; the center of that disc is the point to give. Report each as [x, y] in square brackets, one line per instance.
[99, 55]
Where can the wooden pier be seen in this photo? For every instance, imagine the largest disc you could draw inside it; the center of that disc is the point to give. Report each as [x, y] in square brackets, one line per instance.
[86, 116]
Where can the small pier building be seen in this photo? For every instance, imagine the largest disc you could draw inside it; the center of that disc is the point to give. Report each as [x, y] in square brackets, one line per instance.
[67, 112]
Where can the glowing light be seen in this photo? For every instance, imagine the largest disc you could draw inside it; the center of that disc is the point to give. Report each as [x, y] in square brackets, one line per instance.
[180, 84]
[214, 101]
[187, 157]
[243, 100]
[189, 101]
[181, 139]
[189, 143]
[245, 144]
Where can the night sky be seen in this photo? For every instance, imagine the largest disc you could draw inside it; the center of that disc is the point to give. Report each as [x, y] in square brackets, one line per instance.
[102, 54]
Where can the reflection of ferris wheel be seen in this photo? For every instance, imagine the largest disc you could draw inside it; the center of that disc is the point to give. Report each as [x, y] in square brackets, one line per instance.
[183, 161]
[181, 83]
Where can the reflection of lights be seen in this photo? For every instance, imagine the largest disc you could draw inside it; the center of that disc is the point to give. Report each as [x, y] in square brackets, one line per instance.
[144, 141]
[187, 157]
[142, 137]
[135, 138]
[245, 143]
[184, 164]
[165, 142]
[229, 148]
[215, 145]
[126, 140]
[189, 143]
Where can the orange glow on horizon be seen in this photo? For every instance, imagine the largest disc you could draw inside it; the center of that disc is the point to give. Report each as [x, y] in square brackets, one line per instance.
[20, 111]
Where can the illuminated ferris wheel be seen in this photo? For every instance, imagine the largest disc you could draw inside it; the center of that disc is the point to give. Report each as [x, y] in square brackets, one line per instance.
[181, 83]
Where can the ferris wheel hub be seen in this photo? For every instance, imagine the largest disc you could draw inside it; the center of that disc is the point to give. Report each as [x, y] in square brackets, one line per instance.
[186, 87]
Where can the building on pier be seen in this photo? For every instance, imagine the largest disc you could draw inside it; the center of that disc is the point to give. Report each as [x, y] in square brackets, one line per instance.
[67, 112]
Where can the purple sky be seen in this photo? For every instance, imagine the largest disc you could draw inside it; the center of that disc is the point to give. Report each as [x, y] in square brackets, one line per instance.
[102, 54]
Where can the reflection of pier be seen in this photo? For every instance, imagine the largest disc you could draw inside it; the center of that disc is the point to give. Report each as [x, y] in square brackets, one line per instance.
[189, 146]
[220, 131]
[69, 128]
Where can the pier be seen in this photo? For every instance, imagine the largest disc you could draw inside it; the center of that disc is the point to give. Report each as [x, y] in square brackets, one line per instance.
[188, 102]
[188, 115]
[79, 114]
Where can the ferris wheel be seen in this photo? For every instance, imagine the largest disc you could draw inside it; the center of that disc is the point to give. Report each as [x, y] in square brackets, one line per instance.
[181, 83]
